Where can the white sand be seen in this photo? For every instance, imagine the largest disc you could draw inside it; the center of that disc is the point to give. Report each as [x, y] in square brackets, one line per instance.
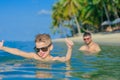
[100, 38]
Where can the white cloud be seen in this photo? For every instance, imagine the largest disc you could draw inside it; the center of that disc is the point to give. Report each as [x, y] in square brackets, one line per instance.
[44, 12]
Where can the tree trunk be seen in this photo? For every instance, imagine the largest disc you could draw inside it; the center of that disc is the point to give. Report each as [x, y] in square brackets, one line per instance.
[106, 12]
[107, 15]
[78, 26]
[115, 10]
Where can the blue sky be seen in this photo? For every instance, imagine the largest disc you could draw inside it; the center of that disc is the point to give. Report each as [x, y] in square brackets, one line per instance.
[21, 20]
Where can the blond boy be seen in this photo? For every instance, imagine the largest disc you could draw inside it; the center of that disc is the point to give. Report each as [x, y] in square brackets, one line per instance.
[43, 47]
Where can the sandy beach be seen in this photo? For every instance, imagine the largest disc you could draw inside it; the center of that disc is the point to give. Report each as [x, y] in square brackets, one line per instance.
[101, 38]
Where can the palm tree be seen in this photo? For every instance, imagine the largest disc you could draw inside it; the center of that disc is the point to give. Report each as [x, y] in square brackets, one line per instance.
[84, 12]
[114, 6]
[91, 14]
[56, 15]
[68, 11]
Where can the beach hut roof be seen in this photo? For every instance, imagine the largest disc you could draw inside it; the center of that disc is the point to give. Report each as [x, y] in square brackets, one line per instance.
[106, 23]
[116, 21]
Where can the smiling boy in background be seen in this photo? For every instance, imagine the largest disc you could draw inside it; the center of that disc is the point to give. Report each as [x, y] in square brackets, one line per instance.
[90, 46]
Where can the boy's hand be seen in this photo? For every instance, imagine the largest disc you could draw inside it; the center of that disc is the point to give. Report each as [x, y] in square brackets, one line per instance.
[69, 43]
[1, 44]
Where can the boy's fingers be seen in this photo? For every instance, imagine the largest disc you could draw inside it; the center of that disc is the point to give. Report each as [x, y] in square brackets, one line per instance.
[66, 39]
[69, 41]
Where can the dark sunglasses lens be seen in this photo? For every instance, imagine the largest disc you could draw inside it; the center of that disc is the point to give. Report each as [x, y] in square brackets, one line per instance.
[44, 49]
[86, 38]
[36, 49]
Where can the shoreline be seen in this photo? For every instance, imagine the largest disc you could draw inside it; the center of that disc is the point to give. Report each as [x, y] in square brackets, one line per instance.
[112, 39]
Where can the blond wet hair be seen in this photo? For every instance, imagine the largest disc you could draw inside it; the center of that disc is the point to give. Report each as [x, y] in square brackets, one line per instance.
[43, 38]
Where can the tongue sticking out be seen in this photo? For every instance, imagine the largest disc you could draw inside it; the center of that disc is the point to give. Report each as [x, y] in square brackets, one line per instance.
[41, 54]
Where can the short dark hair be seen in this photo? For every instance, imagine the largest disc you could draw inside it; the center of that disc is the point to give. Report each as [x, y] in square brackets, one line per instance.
[86, 34]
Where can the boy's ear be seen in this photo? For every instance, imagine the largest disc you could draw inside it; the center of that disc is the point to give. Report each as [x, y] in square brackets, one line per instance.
[51, 47]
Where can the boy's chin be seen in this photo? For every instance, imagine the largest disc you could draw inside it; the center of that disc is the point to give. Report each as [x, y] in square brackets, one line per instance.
[44, 56]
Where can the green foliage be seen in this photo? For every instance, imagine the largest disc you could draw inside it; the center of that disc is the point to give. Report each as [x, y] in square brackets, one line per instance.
[83, 12]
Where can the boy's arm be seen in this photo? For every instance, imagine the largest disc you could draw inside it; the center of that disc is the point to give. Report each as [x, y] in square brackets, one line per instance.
[15, 51]
[69, 44]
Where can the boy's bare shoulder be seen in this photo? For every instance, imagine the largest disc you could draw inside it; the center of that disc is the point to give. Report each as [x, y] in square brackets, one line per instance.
[82, 47]
[57, 58]
[31, 55]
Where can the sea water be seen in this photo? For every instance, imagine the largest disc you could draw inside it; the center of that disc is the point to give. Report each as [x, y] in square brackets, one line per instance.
[104, 66]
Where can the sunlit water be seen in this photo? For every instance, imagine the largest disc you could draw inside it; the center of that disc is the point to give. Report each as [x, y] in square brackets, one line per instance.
[105, 66]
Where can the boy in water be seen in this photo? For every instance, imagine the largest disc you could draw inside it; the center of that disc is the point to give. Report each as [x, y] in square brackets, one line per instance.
[90, 46]
[43, 46]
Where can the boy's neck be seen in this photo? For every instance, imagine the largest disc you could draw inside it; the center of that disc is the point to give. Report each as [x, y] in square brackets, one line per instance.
[49, 57]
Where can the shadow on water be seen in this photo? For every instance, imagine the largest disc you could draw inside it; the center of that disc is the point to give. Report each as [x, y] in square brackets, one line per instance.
[104, 66]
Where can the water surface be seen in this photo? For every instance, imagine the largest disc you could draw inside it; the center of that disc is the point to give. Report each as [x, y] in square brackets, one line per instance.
[105, 66]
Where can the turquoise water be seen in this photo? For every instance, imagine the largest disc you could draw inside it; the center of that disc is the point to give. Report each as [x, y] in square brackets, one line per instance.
[105, 66]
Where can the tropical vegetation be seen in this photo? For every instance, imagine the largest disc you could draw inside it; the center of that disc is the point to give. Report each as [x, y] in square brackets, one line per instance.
[83, 15]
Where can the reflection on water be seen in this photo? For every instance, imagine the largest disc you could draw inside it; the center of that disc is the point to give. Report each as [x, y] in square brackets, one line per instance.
[105, 66]
[42, 73]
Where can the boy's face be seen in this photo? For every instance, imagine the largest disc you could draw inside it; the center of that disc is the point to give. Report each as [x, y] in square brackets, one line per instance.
[87, 39]
[42, 49]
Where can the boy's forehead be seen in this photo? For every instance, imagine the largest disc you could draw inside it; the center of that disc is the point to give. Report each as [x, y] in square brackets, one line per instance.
[41, 43]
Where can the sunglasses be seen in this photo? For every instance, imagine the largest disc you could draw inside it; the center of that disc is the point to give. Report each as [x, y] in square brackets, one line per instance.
[44, 49]
[86, 39]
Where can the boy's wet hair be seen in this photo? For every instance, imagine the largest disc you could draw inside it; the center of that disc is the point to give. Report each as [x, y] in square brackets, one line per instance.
[86, 34]
[43, 38]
